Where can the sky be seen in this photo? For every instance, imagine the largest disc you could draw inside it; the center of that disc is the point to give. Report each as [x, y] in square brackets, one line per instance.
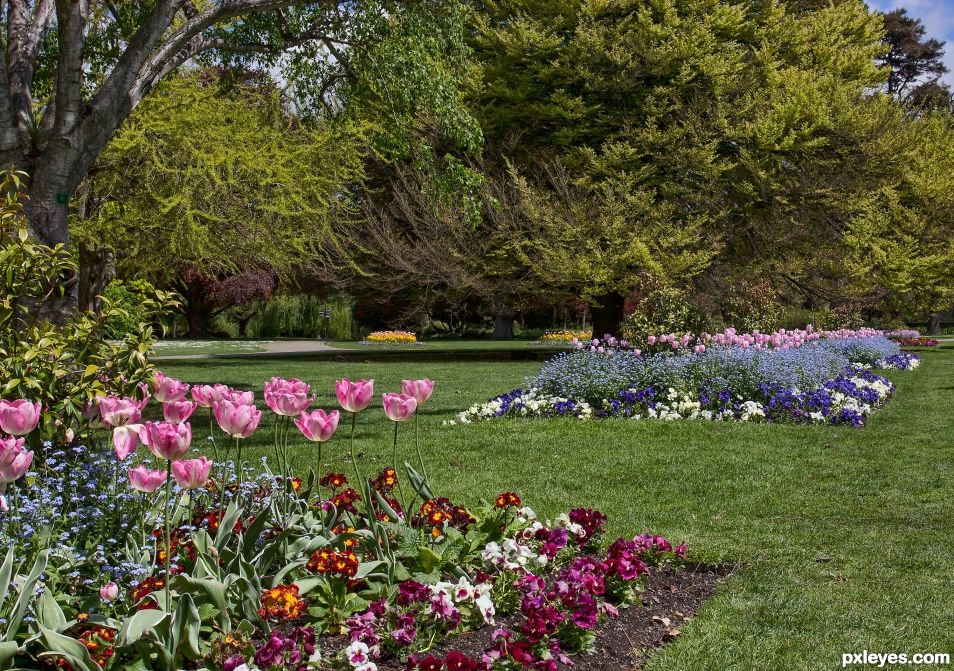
[937, 17]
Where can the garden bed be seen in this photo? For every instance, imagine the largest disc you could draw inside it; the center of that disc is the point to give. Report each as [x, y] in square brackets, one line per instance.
[671, 599]
[797, 376]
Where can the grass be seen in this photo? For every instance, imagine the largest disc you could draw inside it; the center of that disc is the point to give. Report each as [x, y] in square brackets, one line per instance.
[181, 347]
[842, 536]
[450, 344]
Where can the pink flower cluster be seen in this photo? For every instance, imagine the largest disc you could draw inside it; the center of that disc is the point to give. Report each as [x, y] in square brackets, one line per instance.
[781, 339]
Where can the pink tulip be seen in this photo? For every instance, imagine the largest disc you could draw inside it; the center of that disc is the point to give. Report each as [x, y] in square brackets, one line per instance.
[398, 407]
[204, 394]
[168, 389]
[192, 473]
[239, 420]
[145, 480]
[14, 460]
[109, 592]
[126, 439]
[287, 397]
[651, 340]
[178, 411]
[117, 411]
[421, 390]
[167, 440]
[317, 426]
[18, 418]
[239, 397]
[354, 396]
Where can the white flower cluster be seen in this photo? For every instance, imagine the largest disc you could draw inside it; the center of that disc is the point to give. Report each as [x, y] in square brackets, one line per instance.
[532, 403]
[512, 555]
[910, 364]
[359, 656]
[446, 595]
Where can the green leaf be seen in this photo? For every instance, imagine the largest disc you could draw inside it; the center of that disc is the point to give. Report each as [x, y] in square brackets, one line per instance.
[8, 650]
[419, 483]
[48, 611]
[428, 559]
[68, 648]
[6, 570]
[142, 623]
[25, 595]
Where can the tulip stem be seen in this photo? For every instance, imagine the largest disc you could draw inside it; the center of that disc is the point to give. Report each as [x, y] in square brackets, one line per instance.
[404, 501]
[354, 461]
[224, 471]
[241, 466]
[417, 445]
[167, 604]
[318, 484]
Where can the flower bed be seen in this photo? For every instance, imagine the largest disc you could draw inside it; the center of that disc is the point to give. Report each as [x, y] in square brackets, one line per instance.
[564, 336]
[801, 378]
[918, 342]
[390, 338]
[164, 558]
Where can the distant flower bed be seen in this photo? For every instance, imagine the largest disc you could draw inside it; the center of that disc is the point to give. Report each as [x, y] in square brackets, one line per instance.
[903, 334]
[391, 338]
[564, 336]
[825, 379]
[918, 342]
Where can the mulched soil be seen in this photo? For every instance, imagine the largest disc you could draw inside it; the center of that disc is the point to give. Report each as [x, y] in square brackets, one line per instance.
[672, 598]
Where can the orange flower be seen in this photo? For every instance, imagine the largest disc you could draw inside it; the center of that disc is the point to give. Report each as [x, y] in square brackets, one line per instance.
[281, 602]
[507, 500]
[98, 642]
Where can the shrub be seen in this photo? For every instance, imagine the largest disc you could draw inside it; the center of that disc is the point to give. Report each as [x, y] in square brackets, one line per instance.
[132, 300]
[303, 316]
[64, 367]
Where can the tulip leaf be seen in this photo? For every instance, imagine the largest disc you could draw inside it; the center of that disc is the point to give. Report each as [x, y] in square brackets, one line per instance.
[140, 624]
[6, 570]
[26, 595]
[48, 611]
[68, 648]
[419, 483]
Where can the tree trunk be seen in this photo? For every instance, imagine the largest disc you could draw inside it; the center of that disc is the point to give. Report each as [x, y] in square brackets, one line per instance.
[503, 320]
[934, 323]
[47, 210]
[197, 309]
[608, 315]
[97, 269]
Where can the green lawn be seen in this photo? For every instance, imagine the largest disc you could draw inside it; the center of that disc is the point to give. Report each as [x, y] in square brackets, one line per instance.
[843, 536]
[181, 347]
[451, 344]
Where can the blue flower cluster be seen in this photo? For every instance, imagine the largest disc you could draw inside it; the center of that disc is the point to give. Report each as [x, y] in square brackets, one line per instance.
[593, 376]
[77, 500]
[827, 381]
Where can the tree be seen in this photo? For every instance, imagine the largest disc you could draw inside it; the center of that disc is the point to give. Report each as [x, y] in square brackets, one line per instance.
[914, 62]
[693, 114]
[74, 70]
[430, 244]
[219, 196]
[600, 238]
[899, 245]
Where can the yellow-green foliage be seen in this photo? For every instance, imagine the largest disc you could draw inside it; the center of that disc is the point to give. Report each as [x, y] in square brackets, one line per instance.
[226, 182]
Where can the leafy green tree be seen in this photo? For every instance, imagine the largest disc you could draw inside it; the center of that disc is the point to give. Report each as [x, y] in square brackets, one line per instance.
[73, 71]
[899, 245]
[198, 187]
[693, 120]
[916, 62]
